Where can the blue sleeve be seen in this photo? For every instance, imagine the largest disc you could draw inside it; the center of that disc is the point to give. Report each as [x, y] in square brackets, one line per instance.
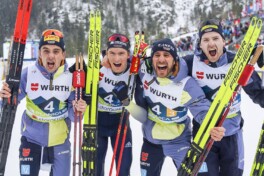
[23, 84]
[254, 90]
[70, 107]
[139, 94]
[189, 61]
[198, 104]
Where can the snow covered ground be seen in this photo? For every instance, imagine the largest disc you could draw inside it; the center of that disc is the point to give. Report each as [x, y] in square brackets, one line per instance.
[252, 114]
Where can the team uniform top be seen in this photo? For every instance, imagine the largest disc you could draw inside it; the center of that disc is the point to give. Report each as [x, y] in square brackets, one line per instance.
[48, 104]
[109, 107]
[210, 78]
[167, 101]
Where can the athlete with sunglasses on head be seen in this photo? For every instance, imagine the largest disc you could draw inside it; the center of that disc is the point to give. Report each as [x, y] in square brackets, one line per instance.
[46, 122]
[109, 107]
[208, 66]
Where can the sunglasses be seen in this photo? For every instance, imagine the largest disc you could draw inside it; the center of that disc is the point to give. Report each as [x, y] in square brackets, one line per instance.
[118, 37]
[52, 32]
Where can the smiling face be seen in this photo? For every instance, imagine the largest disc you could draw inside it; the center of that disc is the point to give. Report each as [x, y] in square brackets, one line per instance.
[163, 63]
[51, 57]
[118, 58]
[212, 45]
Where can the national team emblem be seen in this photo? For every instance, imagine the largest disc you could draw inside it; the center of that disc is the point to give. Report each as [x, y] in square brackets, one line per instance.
[25, 152]
[144, 156]
[146, 85]
[200, 75]
[25, 169]
[34, 86]
[101, 75]
[203, 168]
[171, 113]
[143, 172]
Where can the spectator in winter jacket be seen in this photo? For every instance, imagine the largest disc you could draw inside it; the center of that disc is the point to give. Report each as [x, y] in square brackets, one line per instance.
[46, 121]
[209, 67]
[163, 95]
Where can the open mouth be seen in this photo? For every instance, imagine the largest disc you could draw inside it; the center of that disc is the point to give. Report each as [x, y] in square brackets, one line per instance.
[162, 67]
[212, 52]
[51, 64]
[117, 65]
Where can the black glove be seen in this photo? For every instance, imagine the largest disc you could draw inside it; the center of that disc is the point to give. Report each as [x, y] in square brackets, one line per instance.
[72, 68]
[87, 98]
[149, 65]
[260, 61]
[120, 91]
[103, 53]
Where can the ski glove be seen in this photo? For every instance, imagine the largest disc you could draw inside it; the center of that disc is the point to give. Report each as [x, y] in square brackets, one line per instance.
[103, 53]
[120, 91]
[260, 61]
[148, 62]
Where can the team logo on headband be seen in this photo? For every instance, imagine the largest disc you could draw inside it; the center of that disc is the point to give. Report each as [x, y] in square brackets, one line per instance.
[51, 38]
[209, 28]
[118, 43]
[166, 47]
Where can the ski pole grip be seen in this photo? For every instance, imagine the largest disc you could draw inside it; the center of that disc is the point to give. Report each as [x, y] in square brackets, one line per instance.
[248, 71]
[78, 79]
[246, 74]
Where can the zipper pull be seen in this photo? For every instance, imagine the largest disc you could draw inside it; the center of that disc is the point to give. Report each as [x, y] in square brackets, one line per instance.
[51, 82]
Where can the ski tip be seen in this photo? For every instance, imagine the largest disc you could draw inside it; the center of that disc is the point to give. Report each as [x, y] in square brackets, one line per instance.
[259, 23]
[95, 12]
[98, 13]
[253, 21]
[92, 12]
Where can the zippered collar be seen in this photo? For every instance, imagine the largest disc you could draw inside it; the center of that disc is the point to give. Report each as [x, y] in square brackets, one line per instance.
[54, 74]
[221, 61]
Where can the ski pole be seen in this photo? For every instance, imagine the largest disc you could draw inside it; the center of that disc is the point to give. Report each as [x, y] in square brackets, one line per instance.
[243, 80]
[139, 48]
[78, 84]
[136, 48]
[133, 70]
